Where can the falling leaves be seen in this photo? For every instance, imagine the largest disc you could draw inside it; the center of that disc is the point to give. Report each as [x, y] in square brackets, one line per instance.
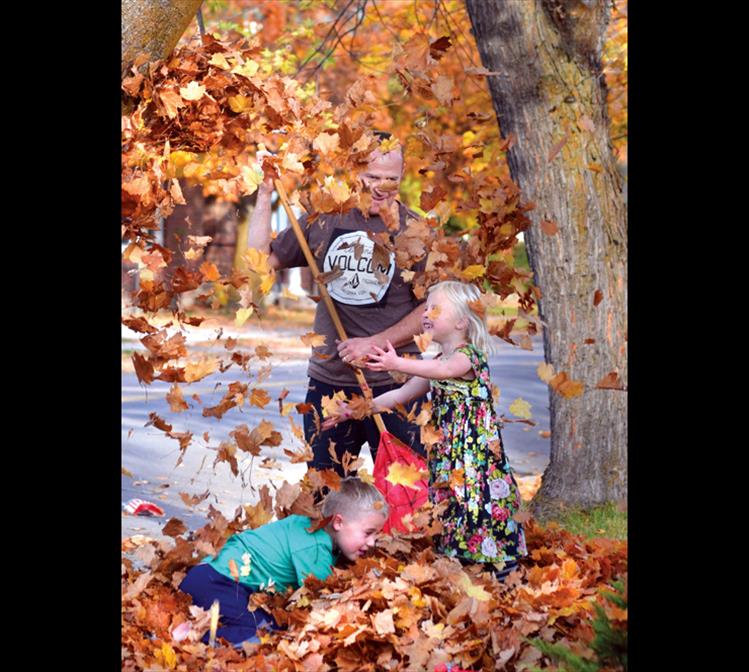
[423, 340]
[521, 408]
[405, 474]
[312, 339]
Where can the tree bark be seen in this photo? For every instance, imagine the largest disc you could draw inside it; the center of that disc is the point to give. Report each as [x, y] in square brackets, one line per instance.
[550, 95]
[153, 27]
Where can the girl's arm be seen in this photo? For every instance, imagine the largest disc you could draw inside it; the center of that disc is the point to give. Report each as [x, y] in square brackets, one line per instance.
[454, 366]
[384, 402]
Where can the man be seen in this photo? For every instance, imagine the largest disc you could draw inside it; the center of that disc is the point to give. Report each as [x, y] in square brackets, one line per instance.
[374, 304]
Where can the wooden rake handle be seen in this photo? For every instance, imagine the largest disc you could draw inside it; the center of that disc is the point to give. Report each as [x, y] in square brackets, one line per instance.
[324, 293]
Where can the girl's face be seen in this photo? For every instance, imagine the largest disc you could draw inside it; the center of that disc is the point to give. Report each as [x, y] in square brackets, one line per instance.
[440, 317]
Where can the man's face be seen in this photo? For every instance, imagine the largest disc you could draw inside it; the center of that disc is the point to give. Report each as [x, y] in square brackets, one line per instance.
[382, 178]
[355, 533]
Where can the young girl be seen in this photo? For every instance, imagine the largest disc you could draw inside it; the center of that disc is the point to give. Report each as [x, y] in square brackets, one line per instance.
[468, 467]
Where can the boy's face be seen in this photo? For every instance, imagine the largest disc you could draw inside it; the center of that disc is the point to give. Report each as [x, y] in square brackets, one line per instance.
[355, 533]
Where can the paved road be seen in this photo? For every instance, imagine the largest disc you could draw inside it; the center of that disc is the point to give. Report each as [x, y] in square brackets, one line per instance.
[151, 456]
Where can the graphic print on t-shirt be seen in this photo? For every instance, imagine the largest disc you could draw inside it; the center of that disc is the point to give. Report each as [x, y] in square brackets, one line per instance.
[358, 285]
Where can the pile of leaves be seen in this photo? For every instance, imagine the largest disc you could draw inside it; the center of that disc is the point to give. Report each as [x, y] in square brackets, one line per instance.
[401, 608]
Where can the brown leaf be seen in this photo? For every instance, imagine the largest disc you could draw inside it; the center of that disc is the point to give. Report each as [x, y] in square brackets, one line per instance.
[329, 276]
[139, 324]
[143, 369]
[177, 403]
[549, 227]
[430, 198]
[438, 48]
[259, 398]
[312, 339]
[174, 528]
[597, 297]
[558, 147]
[610, 382]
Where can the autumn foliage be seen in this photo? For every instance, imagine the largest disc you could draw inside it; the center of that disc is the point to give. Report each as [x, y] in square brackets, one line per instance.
[402, 608]
[201, 116]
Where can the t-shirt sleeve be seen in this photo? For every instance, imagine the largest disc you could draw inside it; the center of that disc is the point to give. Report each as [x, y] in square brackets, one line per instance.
[286, 246]
[315, 560]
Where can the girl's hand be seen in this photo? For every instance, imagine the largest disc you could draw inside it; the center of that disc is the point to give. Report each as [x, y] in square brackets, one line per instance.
[383, 360]
[343, 415]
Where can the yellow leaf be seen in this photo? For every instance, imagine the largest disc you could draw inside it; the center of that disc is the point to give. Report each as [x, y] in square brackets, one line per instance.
[168, 656]
[291, 162]
[337, 189]
[472, 272]
[407, 275]
[404, 474]
[252, 176]
[326, 143]
[257, 261]
[259, 398]
[242, 316]
[471, 589]
[521, 408]
[389, 144]
[239, 103]
[545, 372]
[365, 476]
[312, 339]
[200, 369]
[247, 69]
[288, 295]
[423, 340]
[330, 404]
[219, 60]
[193, 91]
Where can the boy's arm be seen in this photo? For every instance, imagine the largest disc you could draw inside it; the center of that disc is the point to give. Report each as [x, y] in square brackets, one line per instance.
[312, 560]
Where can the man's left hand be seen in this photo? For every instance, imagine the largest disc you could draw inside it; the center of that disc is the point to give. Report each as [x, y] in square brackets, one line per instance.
[356, 350]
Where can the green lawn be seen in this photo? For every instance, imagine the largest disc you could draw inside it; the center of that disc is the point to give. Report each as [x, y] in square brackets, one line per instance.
[601, 521]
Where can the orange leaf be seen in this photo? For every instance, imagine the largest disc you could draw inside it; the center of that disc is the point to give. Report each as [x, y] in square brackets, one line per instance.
[234, 570]
[176, 401]
[313, 340]
[423, 340]
[259, 398]
[209, 271]
[610, 382]
[549, 227]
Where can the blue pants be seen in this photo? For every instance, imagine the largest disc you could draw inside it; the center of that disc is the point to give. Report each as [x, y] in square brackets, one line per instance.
[352, 434]
[236, 624]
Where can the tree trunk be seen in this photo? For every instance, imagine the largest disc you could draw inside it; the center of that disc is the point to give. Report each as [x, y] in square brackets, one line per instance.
[550, 95]
[153, 27]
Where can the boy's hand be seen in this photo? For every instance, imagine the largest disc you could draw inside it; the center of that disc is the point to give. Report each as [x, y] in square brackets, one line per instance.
[383, 360]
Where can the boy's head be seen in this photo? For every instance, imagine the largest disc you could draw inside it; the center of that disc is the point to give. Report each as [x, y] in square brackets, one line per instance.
[357, 511]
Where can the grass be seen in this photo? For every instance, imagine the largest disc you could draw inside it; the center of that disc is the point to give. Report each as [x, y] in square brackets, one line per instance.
[601, 521]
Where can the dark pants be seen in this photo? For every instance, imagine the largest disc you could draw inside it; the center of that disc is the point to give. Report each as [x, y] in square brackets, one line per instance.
[236, 623]
[352, 434]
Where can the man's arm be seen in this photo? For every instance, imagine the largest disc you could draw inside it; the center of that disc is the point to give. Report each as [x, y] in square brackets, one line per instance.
[258, 229]
[399, 334]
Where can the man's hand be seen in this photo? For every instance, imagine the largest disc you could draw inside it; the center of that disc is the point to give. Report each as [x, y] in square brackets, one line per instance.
[356, 350]
[384, 360]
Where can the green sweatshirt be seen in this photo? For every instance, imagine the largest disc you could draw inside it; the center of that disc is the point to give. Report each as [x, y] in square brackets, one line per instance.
[279, 554]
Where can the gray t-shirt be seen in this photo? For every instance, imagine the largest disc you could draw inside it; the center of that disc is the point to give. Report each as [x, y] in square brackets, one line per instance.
[365, 305]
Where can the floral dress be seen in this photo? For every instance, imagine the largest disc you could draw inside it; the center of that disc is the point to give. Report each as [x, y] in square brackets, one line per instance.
[469, 468]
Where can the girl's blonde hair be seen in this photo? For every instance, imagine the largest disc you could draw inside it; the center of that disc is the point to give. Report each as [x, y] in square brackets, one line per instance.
[353, 498]
[460, 294]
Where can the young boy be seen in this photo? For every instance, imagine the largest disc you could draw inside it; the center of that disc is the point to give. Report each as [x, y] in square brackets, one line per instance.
[282, 553]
